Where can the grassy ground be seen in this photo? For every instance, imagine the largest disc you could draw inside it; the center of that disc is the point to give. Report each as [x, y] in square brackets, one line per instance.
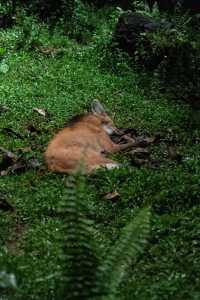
[65, 85]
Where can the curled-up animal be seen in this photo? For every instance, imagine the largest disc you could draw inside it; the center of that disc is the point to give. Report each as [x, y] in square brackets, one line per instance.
[85, 143]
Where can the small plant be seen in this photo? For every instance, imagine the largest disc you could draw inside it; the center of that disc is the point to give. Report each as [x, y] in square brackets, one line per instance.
[86, 276]
[50, 10]
[7, 13]
[83, 22]
[30, 31]
[172, 54]
[2, 52]
[7, 7]
[108, 57]
[79, 258]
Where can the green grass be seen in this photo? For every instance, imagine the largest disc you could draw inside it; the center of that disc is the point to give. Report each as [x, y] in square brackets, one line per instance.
[65, 86]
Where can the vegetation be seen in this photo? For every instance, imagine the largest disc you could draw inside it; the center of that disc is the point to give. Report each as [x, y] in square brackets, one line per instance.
[71, 242]
[173, 54]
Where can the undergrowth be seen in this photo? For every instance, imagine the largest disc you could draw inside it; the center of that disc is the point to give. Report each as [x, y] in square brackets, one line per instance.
[86, 275]
[63, 77]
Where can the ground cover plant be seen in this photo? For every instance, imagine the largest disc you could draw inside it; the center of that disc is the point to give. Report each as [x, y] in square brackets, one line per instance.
[44, 81]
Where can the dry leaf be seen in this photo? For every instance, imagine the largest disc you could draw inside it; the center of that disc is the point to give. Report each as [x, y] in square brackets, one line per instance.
[41, 111]
[140, 151]
[4, 173]
[11, 163]
[140, 162]
[112, 196]
[50, 51]
[8, 153]
[24, 150]
[173, 154]
[33, 163]
[8, 158]
[124, 135]
[146, 141]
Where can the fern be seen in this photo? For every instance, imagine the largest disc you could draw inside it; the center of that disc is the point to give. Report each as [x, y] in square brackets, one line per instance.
[124, 253]
[79, 259]
[85, 277]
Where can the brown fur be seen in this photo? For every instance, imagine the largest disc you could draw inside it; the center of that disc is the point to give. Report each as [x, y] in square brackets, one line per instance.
[84, 142]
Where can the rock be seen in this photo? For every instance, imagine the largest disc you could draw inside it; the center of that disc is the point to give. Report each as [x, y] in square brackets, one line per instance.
[176, 64]
[128, 33]
[129, 28]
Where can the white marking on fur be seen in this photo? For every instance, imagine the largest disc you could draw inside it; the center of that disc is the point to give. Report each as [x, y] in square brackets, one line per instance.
[108, 130]
[111, 166]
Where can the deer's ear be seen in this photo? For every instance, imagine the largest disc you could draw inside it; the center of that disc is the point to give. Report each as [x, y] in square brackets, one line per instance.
[97, 108]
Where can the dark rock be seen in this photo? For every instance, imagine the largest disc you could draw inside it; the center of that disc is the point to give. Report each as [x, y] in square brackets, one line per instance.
[129, 28]
[176, 64]
[128, 33]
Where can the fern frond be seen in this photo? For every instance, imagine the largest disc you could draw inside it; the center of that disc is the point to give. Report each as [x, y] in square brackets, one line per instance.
[124, 253]
[84, 278]
[79, 259]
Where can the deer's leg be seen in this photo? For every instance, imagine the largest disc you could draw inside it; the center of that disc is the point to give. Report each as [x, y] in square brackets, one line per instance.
[122, 147]
[101, 162]
[108, 166]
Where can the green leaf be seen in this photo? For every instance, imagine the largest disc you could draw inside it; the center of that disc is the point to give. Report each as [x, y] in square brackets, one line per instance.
[4, 68]
[2, 51]
[124, 253]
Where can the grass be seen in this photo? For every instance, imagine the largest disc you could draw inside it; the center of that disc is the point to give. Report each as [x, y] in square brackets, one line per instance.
[65, 85]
